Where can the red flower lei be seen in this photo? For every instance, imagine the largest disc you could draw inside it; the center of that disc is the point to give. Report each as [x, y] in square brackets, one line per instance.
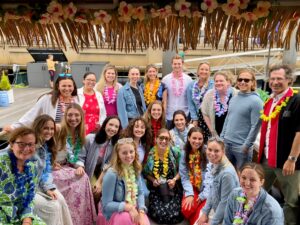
[195, 170]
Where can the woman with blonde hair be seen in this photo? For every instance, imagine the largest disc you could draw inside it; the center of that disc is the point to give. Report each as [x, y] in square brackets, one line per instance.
[153, 89]
[122, 195]
[108, 86]
[73, 182]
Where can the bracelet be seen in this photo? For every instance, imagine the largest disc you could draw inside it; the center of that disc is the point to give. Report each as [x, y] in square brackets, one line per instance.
[142, 211]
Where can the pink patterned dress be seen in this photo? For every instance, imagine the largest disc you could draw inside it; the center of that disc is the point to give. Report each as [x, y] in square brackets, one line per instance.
[91, 116]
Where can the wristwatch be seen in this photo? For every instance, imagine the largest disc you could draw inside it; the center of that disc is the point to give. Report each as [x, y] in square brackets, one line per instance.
[292, 158]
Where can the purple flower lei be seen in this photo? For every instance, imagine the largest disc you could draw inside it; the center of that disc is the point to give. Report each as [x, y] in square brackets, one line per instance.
[220, 108]
[198, 94]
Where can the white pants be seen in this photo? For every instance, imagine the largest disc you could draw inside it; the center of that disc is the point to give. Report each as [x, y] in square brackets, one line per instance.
[53, 212]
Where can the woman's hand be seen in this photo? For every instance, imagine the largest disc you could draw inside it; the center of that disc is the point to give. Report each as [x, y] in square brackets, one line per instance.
[142, 218]
[56, 166]
[155, 183]
[79, 171]
[188, 202]
[135, 217]
[203, 220]
[52, 194]
[171, 183]
[97, 188]
[27, 221]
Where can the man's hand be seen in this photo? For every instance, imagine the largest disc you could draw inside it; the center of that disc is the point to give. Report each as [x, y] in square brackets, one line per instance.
[288, 168]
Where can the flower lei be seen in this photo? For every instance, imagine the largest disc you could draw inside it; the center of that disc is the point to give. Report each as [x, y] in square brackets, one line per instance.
[194, 170]
[220, 108]
[64, 105]
[130, 180]
[165, 163]
[22, 180]
[76, 149]
[109, 99]
[242, 215]
[178, 92]
[48, 167]
[150, 95]
[198, 94]
[277, 110]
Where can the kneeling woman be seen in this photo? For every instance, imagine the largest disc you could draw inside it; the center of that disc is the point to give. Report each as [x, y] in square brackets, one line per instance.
[122, 195]
[251, 204]
[161, 171]
[49, 204]
[18, 176]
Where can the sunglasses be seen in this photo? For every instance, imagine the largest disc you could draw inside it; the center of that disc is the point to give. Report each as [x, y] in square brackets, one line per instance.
[65, 75]
[246, 80]
[125, 141]
[23, 145]
[163, 138]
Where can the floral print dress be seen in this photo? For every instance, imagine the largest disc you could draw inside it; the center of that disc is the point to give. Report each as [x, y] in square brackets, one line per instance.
[12, 210]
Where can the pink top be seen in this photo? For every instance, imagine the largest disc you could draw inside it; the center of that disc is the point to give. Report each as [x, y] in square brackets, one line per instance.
[110, 101]
[91, 109]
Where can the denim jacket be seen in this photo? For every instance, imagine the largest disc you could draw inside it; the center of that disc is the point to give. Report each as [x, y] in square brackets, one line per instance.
[266, 210]
[225, 180]
[114, 194]
[126, 104]
[89, 154]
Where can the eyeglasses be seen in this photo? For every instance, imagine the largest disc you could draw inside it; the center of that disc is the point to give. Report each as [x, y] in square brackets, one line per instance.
[65, 75]
[246, 80]
[89, 80]
[125, 141]
[23, 144]
[163, 138]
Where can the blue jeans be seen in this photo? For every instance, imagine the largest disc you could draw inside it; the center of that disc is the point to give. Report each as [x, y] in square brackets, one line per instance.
[236, 155]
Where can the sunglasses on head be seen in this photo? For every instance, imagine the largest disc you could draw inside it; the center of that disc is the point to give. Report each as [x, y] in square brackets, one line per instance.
[65, 75]
[246, 80]
[125, 141]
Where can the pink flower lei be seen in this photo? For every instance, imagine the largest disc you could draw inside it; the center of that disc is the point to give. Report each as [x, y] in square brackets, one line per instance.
[179, 91]
[221, 108]
[110, 99]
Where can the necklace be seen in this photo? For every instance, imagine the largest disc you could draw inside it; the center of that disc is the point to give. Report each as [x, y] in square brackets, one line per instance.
[110, 98]
[221, 108]
[150, 93]
[178, 92]
[245, 208]
[165, 163]
[282, 103]
[73, 158]
[130, 180]
[194, 170]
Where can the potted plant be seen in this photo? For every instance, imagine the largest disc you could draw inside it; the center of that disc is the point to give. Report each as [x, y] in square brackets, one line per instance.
[5, 89]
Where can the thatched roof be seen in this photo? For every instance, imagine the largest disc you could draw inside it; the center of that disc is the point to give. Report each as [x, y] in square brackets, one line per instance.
[139, 25]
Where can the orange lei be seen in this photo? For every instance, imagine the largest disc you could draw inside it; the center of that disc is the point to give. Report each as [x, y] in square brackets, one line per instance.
[150, 95]
[194, 170]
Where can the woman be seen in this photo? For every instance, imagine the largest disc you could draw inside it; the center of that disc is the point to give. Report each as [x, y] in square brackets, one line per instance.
[155, 117]
[19, 179]
[215, 103]
[108, 86]
[251, 204]
[130, 99]
[195, 173]
[74, 183]
[49, 204]
[153, 89]
[196, 93]
[54, 103]
[141, 134]
[225, 180]
[161, 171]
[123, 199]
[92, 104]
[180, 129]
[97, 152]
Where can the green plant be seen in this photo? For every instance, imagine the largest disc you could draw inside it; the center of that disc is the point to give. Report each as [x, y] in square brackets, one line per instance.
[4, 83]
[263, 94]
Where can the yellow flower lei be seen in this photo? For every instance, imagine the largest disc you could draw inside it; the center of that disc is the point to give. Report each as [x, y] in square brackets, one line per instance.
[150, 95]
[194, 170]
[130, 180]
[277, 110]
[165, 163]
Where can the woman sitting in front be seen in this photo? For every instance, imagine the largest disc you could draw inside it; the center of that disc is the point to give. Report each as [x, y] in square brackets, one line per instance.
[251, 204]
[122, 195]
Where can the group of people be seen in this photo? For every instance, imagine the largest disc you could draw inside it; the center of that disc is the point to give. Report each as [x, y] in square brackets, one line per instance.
[166, 150]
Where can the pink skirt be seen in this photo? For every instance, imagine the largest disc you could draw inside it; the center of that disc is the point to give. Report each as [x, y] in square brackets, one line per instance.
[124, 219]
[77, 193]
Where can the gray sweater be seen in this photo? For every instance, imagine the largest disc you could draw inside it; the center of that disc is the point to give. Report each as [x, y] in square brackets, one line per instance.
[243, 119]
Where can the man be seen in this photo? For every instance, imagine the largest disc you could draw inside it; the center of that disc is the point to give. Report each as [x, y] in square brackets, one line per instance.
[242, 122]
[280, 140]
[176, 84]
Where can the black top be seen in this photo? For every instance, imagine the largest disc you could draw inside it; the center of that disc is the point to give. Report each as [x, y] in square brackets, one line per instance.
[138, 100]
